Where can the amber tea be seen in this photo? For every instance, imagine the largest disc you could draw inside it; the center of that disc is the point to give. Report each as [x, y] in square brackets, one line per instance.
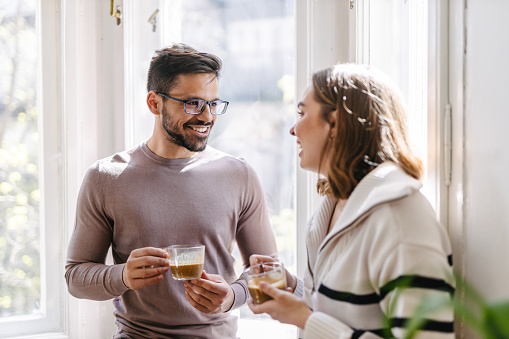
[186, 272]
[186, 261]
[270, 272]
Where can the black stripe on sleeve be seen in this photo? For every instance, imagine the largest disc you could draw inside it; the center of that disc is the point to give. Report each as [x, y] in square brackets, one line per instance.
[449, 259]
[357, 299]
[415, 281]
[407, 281]
[382, 333]
[429, 325]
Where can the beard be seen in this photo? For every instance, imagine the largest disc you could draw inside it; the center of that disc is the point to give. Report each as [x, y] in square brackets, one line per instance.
[192, 142]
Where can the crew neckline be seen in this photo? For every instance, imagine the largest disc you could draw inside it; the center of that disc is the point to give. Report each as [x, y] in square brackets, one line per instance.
[171, 162]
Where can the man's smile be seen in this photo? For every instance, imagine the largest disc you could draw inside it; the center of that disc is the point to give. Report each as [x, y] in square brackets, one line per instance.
[202, 130]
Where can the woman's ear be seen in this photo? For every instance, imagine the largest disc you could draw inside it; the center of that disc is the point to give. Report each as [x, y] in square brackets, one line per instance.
[333, 124]
[153, 102]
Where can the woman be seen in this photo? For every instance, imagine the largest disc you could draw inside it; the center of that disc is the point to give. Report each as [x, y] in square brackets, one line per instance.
[375, 249]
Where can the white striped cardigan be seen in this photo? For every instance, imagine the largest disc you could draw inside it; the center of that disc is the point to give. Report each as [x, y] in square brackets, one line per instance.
[387, 233]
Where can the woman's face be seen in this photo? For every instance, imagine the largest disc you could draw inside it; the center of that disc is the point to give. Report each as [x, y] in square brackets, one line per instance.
[312, 133]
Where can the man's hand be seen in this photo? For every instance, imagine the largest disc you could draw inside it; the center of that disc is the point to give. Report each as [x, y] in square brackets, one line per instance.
[145, 266]
[284, 307]
[256, 259]
[209, 294]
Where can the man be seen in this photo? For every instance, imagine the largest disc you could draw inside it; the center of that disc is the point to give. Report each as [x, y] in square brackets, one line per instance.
[171, 189]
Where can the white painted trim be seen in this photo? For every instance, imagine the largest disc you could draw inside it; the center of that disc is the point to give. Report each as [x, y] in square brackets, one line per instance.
[138, 38]
[360, 33]
[438, 98]
[323, 39]
[93, 87]
[456, 198]
[53, 335]
[130, 112]
[303, 17]
[456, 89]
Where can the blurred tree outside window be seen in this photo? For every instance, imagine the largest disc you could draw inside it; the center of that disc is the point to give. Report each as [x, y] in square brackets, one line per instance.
[20, 291]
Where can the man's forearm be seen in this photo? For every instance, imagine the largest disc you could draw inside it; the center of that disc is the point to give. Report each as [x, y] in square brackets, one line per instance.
[94, 281]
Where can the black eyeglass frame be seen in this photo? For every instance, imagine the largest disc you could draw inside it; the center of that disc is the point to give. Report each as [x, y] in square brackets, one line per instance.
[203, 107]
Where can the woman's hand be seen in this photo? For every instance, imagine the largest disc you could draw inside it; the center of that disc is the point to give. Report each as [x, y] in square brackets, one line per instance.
[256, 259]
[284, 307]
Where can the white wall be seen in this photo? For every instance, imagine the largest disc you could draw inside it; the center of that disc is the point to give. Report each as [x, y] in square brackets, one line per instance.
[486, 152]
[478, 203]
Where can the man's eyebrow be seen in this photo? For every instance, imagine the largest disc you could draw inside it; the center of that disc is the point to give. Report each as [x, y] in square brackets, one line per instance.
[190, 97]
[300, 104]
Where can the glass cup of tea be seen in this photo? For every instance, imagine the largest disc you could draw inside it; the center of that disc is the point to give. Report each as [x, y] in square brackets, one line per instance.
[186, 261]
[270, 272]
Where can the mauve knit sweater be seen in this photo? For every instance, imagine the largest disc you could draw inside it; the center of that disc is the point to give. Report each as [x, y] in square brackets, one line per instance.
[137, 199]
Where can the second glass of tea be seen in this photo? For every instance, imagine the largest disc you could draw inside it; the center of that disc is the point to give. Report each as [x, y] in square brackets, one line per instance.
[270, 272]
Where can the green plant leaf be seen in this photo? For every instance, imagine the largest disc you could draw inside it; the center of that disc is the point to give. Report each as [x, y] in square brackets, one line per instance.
[496, 319]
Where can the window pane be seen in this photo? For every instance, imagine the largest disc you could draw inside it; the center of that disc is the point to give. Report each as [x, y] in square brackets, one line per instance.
[256, 41]
[20, 292]
[398, 45]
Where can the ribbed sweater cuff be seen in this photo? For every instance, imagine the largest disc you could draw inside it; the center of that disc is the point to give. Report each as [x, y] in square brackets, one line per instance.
[118, 286]
[299, 289]
[323, 326]
[240, 292]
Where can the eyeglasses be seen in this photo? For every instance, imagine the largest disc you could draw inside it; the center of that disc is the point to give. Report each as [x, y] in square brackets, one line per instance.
[196, 106]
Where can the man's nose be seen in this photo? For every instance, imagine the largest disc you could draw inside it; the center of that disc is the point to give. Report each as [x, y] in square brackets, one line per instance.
[206, 114]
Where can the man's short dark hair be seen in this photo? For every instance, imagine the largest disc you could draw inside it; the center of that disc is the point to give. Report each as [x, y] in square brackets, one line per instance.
[172, 61]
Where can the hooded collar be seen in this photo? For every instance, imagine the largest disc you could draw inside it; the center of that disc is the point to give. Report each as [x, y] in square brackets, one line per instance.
[386, 183]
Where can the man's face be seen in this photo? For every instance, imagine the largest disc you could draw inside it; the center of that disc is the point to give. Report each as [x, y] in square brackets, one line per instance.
[186, 130]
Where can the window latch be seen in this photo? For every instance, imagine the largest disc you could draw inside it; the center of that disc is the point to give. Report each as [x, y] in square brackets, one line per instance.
[153, 19]
[115, 13]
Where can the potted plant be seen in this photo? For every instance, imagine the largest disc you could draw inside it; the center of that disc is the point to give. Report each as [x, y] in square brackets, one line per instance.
[488, 319]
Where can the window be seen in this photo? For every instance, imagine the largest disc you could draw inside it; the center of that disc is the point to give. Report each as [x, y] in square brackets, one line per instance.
[30, 191]
[393, 35]
[260, 44]
[20, 292]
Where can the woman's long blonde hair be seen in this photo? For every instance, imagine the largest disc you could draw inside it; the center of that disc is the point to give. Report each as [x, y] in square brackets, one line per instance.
[371, 126]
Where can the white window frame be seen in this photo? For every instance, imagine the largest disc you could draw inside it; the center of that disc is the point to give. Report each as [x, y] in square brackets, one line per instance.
[324, 28]
[93, 123]
[438, 157]
[50, 320]
[76, 112]
[439, 152]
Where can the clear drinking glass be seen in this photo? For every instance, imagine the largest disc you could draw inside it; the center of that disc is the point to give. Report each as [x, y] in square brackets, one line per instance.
[186, 261]
[269, 272]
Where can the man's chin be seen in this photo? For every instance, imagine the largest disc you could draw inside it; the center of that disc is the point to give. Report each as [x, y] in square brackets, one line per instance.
[198, 147]
[197, 144]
